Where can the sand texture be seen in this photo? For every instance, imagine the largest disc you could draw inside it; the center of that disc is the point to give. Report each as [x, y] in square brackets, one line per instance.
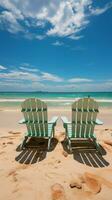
[35, 174]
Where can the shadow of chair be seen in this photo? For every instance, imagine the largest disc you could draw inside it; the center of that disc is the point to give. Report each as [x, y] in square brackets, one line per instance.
[87, 154]
[35, 151]
[90, 157]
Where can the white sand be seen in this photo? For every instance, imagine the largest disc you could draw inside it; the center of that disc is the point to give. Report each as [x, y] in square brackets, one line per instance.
[35, 174]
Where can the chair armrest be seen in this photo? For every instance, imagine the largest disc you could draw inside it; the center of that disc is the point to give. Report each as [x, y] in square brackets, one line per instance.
[98, 122]
[53, 120]
[65, 120]
[22, 121]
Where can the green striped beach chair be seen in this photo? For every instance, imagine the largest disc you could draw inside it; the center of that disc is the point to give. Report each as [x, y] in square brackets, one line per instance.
[36, 120]
[84, 113]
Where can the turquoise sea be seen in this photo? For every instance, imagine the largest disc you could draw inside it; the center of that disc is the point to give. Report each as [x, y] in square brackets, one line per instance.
[12, 99]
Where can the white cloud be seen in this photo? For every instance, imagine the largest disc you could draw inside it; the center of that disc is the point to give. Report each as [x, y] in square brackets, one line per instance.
[99, 11]
[21, 86]
[57, 43]
[25, 64]
[28, 69]
[82, 87]
[39, 37]
[66, 18]
[51, 77]
[75, 37]
[2, 67]
[69, 18]
[27, 73]
[18, 75]
[79, 80]
[31, 36]
[37, 86]
[43, 81]
[9, 20]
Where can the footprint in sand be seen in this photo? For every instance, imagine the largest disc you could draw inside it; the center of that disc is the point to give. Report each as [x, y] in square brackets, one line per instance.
[100, 180]
[57, 192]
[88, 180]
[92, 183]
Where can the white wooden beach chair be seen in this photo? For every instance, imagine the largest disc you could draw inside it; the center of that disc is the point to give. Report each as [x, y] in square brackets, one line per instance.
[84, 113]
[36, 120]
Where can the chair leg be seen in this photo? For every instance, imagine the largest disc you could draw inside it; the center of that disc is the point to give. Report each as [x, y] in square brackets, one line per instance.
[69, 144]
[23, 143]
[49, 143]
[97, 146]
[53, 131]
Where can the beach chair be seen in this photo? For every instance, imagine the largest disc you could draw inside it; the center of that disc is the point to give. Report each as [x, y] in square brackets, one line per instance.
[84, 113]
[36, 120]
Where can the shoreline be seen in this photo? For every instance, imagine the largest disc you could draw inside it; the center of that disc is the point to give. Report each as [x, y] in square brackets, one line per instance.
[57, 99]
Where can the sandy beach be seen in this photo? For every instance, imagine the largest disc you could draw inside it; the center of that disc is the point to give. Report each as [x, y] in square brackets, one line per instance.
[56, 175]
[55, 56]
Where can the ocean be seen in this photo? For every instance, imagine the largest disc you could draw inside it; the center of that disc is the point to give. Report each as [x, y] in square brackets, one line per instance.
[13, 99]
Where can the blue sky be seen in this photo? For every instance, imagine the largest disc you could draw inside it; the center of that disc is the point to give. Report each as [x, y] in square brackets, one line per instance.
[62, 45]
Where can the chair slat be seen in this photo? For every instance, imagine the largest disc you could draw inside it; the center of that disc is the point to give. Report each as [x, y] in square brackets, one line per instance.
[74, 118]
[25, 105]
[84, 113]
[35, 114]
[79, 118]
[45, 119]
[35, 117]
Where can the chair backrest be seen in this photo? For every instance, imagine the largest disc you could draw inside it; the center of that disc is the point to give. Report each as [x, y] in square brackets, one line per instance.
[35, 114]
[84, 113]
